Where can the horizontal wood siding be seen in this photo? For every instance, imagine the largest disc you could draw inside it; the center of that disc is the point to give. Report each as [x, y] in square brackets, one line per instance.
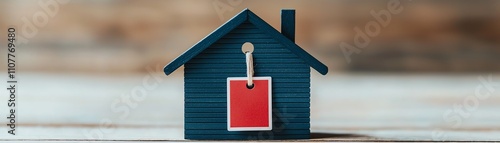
[205, 87]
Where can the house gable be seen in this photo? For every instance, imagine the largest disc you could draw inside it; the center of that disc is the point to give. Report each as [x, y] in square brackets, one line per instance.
[245, 15]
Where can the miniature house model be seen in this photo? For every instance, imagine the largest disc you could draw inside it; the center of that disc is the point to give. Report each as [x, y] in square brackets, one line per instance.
[209, 63]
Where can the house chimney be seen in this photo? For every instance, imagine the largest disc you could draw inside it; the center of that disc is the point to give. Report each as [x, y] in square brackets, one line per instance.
[288, 23]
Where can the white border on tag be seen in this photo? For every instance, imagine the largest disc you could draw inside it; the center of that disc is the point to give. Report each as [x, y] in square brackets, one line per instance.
[270, 127]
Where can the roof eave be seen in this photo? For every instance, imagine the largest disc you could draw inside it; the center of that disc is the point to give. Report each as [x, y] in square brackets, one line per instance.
[206, 42]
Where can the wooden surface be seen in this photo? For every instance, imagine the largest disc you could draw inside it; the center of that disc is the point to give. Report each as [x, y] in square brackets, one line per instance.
[355, 107]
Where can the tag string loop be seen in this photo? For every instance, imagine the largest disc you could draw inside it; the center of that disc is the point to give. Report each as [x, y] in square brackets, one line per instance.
[249, 60]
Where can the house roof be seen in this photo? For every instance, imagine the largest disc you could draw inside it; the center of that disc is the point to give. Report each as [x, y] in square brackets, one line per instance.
[245, 15]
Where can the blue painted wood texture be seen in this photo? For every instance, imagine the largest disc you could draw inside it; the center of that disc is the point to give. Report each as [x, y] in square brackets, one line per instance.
[218, 56]
[205, 86]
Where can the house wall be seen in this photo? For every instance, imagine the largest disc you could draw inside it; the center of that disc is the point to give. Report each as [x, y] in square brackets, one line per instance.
[205, 87]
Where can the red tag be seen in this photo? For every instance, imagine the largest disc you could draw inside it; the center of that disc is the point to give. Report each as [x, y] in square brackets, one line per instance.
[249, 109]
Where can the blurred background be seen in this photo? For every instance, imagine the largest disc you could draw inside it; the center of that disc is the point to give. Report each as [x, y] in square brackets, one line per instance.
[96, 36]
[89, 54]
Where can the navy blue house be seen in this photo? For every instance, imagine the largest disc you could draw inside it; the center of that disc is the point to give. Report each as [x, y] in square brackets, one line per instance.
[218, 56]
